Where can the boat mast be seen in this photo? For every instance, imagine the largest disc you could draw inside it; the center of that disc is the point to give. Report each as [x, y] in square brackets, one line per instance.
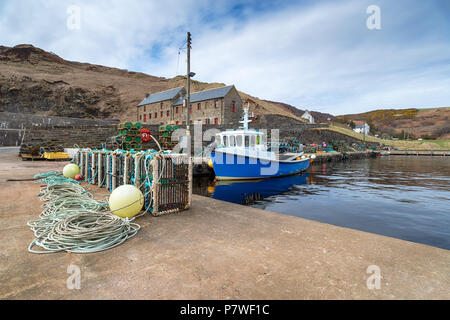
[245, 122]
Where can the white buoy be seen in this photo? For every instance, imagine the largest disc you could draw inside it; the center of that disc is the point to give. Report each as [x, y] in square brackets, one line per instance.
[126, 201]
[71, 170]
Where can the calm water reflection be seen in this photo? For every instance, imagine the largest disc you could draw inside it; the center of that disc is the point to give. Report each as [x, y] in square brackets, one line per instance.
[399, 196]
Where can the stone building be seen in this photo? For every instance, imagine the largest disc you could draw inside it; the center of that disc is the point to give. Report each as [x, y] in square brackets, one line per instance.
[216, 106]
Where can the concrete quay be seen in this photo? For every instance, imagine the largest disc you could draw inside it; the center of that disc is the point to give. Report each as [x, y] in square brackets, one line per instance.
[215, 250]
[442, 153]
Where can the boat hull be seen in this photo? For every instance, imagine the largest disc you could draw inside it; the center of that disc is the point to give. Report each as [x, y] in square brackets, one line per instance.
[238, 167]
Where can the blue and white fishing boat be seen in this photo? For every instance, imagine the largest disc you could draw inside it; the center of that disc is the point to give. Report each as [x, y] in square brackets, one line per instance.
[243, 154]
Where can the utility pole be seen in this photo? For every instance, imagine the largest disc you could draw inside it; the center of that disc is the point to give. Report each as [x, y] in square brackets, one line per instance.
[188, 94]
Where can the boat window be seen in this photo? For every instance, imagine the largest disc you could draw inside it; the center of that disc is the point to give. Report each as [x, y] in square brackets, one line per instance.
[258, 140]
[252, 141]
[224, 140]
[247, 141]
[232, 141]
[239, 141]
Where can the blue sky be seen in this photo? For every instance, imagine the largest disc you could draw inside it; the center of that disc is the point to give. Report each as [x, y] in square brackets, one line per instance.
[316, 55]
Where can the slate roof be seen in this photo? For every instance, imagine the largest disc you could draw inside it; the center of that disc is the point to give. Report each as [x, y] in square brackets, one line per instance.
[205, 95]
[161, 96]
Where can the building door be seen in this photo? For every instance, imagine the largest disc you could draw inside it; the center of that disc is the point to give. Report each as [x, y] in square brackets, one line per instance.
[216, 120]
[145, 118]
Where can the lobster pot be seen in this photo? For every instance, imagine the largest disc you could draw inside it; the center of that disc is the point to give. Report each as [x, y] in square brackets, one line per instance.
[127, 168]
[84, 164]
[139, 169]
[114, 170]
[93, 167]
[101, 168]
[76, 159]
[171, 184]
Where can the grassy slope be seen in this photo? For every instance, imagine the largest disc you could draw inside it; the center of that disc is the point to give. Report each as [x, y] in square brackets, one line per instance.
[400, 144]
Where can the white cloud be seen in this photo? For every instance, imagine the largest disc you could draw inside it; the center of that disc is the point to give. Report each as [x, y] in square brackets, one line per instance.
[318, 55]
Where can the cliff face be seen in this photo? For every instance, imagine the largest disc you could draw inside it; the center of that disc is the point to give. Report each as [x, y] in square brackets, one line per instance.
[22, 94]
[33, 81]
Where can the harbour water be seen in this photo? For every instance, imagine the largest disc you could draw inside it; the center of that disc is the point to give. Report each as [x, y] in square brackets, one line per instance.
[406, 197]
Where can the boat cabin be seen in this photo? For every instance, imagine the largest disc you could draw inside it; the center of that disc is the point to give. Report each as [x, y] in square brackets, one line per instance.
[242, 139]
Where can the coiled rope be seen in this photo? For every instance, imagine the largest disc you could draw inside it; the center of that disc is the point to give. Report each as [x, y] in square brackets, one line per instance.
[73, 221]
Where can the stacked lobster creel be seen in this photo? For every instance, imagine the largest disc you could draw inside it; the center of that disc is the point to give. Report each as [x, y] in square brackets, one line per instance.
[164, 178]
[165, 136]
[131, 135]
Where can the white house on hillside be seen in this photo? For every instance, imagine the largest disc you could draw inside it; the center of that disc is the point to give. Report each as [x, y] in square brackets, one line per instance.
[308, 117]
[362, 128]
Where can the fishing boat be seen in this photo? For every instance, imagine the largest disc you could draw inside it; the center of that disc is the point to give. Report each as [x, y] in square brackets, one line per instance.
[244, 154]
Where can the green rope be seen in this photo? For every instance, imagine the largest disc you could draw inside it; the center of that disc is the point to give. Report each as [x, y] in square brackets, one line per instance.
[73, 221]
[46, 174]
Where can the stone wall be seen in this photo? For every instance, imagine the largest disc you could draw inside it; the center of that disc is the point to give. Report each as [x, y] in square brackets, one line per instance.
[64, 137]
[230, 117]
[14, 125]
[9, 120]
[97, 132]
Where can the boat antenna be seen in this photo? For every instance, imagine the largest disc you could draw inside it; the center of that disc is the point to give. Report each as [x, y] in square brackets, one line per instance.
[245, 122]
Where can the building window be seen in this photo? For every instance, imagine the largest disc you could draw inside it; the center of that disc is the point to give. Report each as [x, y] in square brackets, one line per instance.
[207, 121]
[140, 117]
[233, 106]
[161, 105]
[216, 103]
[144, 109]
[150, 115]
[156, 115]
[145, 118]
[176, 109]
[162, 114]
[198, 106]
[216, 120]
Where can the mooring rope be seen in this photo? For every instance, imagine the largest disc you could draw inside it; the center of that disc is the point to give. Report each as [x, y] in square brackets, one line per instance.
[73, 221]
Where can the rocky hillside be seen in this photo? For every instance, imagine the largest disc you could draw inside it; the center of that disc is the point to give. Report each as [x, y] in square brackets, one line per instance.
[431, 123]
[33, 81]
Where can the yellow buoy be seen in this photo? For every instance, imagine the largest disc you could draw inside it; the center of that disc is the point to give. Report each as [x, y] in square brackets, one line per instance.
[126, 201]
[71, 170]
[210, 163]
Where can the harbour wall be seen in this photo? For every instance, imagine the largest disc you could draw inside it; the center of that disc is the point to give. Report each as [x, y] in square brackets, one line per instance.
[420, 153]
[16, 128]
